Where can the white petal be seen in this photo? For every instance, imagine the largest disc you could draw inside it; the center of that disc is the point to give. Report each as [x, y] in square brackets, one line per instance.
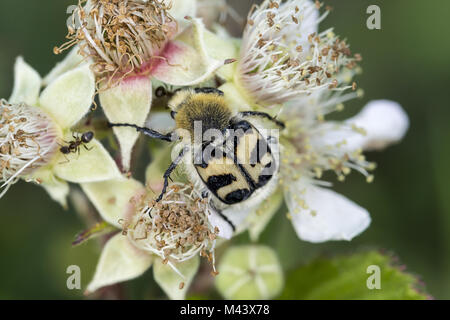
[239, 217]
[112, 198]
[70, 96]
[71, 61]
[329, 215]
[169, 280]
[89, 166]
[235, 216]
[129, 102]
[225, 229]
[27, 84]
[385, 122]
[119, 261]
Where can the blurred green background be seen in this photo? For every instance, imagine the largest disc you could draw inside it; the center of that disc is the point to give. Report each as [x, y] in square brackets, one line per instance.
[407, 61]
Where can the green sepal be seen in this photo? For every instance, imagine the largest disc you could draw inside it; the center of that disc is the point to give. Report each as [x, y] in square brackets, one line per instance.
[169, 280]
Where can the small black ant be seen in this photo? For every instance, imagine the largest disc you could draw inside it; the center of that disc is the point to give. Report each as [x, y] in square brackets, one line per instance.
[75, 145]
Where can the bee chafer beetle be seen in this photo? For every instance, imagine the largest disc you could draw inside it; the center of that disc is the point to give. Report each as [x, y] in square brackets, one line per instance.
[227, 154]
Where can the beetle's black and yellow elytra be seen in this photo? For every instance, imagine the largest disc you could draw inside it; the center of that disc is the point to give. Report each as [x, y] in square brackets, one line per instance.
[245, 164]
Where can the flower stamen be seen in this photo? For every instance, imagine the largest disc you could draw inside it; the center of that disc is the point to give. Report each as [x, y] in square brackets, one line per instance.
[279, 64]
[119, 36]
[177, 228]
[27, 141]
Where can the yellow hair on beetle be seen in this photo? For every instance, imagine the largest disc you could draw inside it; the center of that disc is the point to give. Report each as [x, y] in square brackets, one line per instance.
[209, 109]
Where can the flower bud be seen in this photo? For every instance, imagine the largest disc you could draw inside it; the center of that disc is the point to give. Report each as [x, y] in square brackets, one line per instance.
[249, 272]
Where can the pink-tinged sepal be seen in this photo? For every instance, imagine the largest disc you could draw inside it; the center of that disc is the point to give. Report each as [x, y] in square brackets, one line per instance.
[186, 60]
[129, 102]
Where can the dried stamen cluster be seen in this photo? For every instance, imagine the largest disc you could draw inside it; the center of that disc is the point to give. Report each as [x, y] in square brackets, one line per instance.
[119, 35]
[279, 64]
[176, 228]
[27, 141]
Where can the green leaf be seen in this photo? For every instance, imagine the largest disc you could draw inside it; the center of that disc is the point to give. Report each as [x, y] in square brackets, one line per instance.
[349, 277]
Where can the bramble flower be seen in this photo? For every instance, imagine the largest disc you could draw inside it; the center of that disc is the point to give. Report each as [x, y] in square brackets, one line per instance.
[33, 126]
[119, 36]
[27, 141]
[132, 42]
[284, 61]
[175, 229]
[170, 235]
[282, 56]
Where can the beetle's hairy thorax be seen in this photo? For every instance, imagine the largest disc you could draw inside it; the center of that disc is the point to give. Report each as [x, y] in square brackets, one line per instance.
[209, 110]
